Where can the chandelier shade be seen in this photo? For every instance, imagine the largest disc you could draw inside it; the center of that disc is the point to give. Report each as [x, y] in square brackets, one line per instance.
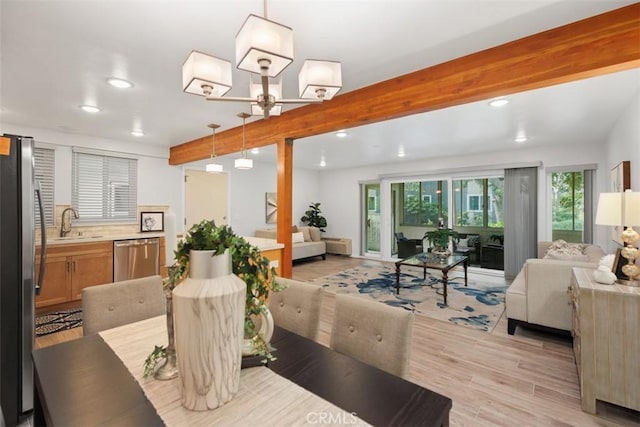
[261, 39]
[206, 75]
[319, 77]
[275, 95]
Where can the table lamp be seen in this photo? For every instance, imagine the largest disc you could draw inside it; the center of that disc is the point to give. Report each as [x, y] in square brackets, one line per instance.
[623, 209]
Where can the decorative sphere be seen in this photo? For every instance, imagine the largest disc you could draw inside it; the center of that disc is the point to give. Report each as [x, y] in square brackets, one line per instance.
[631, 270]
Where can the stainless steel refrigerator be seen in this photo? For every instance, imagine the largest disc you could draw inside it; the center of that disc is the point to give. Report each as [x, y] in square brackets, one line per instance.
[19, 195]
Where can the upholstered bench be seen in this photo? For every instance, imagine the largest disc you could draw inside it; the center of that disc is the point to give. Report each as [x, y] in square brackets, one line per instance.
[338, 245]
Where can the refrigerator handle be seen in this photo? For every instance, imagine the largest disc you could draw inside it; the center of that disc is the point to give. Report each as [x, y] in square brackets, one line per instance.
[43, 239]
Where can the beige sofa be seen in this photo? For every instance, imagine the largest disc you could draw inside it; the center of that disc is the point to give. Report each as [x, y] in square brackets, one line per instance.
[313, 245]
[538, 295]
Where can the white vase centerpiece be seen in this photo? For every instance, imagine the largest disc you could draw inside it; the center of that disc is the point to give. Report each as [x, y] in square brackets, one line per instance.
[220, 286]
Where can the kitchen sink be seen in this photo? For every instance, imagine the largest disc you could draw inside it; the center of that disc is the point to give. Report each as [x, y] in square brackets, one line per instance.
[67, 238]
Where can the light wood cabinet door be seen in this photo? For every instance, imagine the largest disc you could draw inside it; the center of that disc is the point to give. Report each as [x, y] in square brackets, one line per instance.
[90, 270]
[55, 287]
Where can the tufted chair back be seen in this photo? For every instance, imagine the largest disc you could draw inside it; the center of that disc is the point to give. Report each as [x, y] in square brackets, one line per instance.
[297, 308]
[373, 333]
[120, 303]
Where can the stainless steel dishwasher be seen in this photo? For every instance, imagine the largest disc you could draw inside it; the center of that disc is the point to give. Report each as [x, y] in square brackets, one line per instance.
[135, 258]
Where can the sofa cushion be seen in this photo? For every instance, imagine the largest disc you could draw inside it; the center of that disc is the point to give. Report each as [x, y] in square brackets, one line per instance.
[566, 257]
[305, 232]
[315, 234]
[560, 247]
[297, 237]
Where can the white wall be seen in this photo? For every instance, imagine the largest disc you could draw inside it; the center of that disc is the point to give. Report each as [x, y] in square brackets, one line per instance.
[247, 190]
[623, 144]
[158, 182]
[340, 190]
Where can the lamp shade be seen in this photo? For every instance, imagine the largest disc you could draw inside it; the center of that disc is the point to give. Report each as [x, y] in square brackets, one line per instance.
[260, 38]
[316, 75]
[201, 69]
[619, 209]
[213, 167]
[243, 163]
[631, 209]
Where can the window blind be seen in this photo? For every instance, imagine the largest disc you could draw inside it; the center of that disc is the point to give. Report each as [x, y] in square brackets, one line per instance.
[44, 170]
[104, 187]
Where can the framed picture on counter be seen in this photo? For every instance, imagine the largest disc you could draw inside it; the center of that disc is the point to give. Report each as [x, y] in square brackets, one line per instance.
[151, 221]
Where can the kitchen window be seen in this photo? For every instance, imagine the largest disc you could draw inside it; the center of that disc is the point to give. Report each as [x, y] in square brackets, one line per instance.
[104, 186]
[44, 169]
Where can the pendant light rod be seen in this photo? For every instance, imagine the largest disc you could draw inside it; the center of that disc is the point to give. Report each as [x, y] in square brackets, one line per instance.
[213, 167]
[213, 127]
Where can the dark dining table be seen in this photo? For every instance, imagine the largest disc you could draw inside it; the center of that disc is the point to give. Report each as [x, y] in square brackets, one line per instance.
[84, 383]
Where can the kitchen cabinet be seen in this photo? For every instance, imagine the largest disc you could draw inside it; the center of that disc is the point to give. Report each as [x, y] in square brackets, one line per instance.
[71, 268]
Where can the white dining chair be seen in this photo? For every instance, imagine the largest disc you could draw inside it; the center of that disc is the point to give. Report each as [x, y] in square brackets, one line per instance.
[297, 308]
[373, 333]
[116, 304]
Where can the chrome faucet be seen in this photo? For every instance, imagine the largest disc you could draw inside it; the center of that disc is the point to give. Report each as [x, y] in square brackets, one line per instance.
[64, 227]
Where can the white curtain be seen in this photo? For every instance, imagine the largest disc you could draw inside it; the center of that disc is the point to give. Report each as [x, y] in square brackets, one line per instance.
[520, 218]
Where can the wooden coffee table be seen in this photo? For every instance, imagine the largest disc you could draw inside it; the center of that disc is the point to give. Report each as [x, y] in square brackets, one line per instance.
[427, 260]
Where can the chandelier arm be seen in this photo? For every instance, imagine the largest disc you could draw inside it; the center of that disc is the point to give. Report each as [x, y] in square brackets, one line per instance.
[229, 98]
[299, 101]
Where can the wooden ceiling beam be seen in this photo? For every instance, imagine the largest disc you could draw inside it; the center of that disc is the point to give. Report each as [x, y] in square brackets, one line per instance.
[602, 44]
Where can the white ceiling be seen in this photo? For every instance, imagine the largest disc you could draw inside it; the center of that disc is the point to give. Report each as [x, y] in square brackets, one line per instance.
[57, 55]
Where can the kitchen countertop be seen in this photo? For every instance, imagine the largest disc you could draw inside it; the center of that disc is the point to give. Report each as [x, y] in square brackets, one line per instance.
[90, 238]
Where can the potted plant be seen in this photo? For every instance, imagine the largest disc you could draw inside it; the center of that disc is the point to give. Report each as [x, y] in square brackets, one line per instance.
[248, 263]
[499, 238]
[313, 218]
[439, 240]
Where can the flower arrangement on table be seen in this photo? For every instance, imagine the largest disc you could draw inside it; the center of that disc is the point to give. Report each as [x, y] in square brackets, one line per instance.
[248, 263]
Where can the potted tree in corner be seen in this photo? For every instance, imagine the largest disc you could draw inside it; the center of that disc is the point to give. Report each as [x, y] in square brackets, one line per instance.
[313, 218]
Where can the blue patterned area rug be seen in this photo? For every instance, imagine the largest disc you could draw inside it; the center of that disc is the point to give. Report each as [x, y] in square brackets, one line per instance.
[479, 305]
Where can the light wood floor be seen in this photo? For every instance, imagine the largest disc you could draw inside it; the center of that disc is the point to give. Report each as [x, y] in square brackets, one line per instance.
[528, 379]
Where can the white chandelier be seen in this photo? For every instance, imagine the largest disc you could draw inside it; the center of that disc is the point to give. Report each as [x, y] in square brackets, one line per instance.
[263, 47]
[243, 162]
[213, 167]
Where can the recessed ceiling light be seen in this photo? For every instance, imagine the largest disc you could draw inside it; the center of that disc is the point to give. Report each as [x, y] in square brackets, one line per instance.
[341, 134]
[323, 163]
[90, 109]
[521, 138]
[119, 83]
[401, 154]
[137, 133]
[498, 102]
[255, 151]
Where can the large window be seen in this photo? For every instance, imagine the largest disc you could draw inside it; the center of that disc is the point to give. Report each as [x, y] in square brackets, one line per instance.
[104, 187]
[424, 202]
[567, 205]
[478, 202]
[44, 162]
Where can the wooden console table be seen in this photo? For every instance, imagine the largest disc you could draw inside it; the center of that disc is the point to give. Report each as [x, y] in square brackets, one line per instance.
[606, 341]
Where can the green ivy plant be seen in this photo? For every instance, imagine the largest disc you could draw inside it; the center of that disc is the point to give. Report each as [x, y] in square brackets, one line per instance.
[248, 263]
[313, 218]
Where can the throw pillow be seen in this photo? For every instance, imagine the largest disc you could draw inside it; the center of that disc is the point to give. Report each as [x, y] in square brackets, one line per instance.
[297, 237]
[315, 234]
[463, 244]
[305, 232]
[565, 248]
